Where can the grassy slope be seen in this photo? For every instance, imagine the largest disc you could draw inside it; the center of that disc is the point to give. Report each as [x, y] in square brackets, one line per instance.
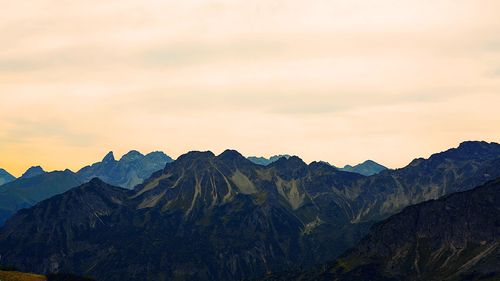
[19, 276]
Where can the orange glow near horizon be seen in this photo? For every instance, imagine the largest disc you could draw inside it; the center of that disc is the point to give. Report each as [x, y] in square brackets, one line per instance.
[340, 81]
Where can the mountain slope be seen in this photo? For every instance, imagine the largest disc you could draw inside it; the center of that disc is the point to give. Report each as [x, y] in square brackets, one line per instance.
[220, 217]
[5, 177]
[79, 214]
[25, 192]
[207, 217]
[457, 169]
[367, 168]
[453, 238]
[132, 169]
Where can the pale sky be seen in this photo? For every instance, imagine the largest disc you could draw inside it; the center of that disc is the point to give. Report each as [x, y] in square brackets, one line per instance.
[339, 81]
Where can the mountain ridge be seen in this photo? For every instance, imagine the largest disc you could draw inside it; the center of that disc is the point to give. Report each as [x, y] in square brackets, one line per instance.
[455, 237]
[225, 218]
[130, 170]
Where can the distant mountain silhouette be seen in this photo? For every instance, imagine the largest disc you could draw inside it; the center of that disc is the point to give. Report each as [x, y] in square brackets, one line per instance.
[132, 169]
[265, 161]
[453, 238]
[207, 217]
[33, 172]
[36, 185]
[5, 177]
[367, 168]
[26, 192]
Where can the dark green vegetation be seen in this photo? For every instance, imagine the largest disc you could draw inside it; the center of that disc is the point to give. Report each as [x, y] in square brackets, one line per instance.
[453, 238]
[207, 217]
[5, 177]
[367, 168]
[36, 185]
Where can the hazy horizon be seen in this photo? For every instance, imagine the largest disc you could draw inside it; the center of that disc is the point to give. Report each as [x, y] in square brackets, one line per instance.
[338, 81]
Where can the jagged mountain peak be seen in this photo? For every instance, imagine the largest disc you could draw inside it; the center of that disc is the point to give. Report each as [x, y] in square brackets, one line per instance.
[233, 156]
[33, 172]
[370, 162]
[367, 168]
[158, 155]
[96, 181]
[97, 185]
[265, 161]
[195, 155]
[477, 144]
[289, 162]
[132, 169]
[320, 165]
[131, 156]
[468, 149]
[230, 154]
[110, 157]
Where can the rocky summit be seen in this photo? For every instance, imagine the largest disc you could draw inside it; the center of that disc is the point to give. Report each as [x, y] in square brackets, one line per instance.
[130, 170]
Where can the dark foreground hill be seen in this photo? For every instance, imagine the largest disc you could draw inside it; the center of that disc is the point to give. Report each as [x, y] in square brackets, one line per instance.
[453, 238]
[207, 217]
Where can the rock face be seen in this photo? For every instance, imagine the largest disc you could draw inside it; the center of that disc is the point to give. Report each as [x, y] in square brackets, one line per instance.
[5, 177]
[207, 217]
[33, 172]
[132, 169]
[26, 192]
[453, 238]
[367, 168]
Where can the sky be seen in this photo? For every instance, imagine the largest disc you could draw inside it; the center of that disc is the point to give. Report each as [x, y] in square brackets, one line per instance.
[339, 81]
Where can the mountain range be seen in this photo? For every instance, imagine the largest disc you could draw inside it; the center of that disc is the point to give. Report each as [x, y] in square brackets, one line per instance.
[453, 238]
[36, 185]
[367, 168]
[26, 192]
[266, 161]
[207, 217]
[132, 169]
